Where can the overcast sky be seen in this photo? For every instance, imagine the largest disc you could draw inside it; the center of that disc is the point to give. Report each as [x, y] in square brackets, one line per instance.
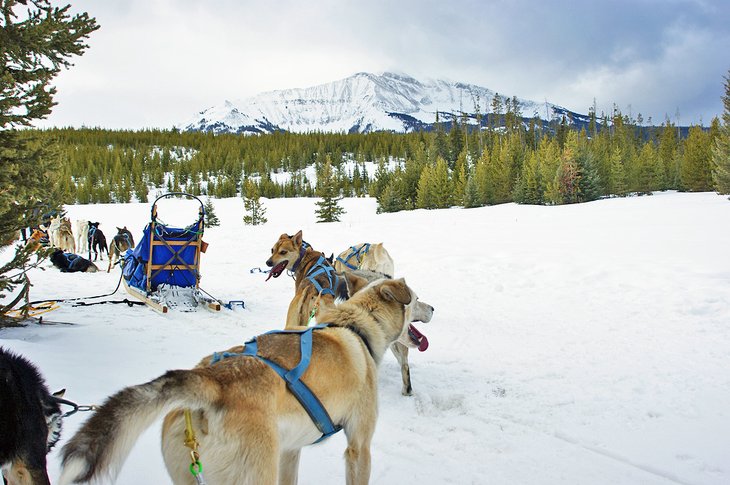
[154, 63]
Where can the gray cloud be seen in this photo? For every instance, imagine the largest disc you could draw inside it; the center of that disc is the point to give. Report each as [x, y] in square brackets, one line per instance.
[155, 62]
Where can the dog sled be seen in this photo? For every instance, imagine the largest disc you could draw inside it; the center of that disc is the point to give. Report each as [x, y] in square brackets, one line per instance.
[163, 270]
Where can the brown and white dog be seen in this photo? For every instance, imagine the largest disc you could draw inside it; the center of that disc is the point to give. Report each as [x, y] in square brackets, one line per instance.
[249, 426]
[66, 236]
[412, 339]
[316, 283]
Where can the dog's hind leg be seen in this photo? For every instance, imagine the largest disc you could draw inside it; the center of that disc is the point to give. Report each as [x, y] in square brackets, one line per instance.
[359, 431]
[401, 354]
[289, 467]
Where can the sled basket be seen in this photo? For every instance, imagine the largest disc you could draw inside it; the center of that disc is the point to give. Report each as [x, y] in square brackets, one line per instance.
[167, 258]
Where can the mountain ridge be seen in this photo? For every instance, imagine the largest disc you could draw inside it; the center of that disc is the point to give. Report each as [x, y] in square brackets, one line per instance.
[363, 102]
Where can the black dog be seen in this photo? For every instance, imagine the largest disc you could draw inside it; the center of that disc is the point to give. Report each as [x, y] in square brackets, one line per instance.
[30, 420]
[97, 241]
[71, 263]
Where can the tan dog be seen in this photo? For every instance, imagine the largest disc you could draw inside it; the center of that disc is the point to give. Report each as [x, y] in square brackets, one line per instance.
[413, 338]
[316, 285]
[368, 257]
[250, 427]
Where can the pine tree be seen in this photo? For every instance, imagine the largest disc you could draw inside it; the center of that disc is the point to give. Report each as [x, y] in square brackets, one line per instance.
[529, 189]
[471, 192]
[211, 219]
[442, 186]
[618, 175]
[390, 200]
[426, 191]
[694, 170]
[329, 209]
[37, 41]
[721, 150]
[255, 211]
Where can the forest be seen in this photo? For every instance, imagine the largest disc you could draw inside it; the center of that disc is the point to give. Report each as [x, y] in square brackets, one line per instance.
[454, 164]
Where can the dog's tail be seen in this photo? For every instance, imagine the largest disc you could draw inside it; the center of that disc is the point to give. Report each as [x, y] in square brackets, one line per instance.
[98, 450]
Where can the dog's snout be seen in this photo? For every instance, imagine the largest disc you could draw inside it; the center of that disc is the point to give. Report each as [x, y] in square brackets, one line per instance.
[269, 263]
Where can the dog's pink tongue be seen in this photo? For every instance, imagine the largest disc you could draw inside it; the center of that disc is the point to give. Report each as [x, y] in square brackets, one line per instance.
[418, 338]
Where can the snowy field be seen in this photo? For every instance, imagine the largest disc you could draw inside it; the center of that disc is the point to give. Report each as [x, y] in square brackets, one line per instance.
[581, 344]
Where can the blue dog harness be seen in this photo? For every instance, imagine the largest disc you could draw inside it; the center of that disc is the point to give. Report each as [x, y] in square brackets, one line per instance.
[292, 377]
[355, 253]
[322, 266]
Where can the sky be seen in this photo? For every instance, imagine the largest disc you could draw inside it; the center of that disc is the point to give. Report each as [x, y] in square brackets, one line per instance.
[155, 63]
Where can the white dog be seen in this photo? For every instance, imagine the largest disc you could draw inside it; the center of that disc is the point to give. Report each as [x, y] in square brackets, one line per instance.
[82, 236]
[53, 232]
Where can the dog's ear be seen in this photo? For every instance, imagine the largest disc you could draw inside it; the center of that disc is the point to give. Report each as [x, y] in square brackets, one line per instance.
[298, 238]
[354, 283]
[396, 290]
[119, 229]
[59, 393]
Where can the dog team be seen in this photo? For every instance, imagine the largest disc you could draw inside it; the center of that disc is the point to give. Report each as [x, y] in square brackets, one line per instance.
[253, 406]
[89, 238]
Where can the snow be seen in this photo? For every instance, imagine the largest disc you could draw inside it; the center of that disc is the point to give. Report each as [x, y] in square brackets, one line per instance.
[573, 344]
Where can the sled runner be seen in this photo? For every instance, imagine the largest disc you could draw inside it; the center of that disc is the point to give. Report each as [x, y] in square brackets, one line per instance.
[163, 270]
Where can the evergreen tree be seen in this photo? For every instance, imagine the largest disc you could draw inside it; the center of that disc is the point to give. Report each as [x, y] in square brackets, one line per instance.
[255, 210]
[471, 192]
[211, 219]
[390, 200]
[695, 174]
[426, 190]
[618, 175]
[36, 42]
[329, 209]
[529, 189]
[667, 154]
[721, 150]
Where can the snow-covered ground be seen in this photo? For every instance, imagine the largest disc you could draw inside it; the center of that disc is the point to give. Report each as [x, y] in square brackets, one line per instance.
[582, 344]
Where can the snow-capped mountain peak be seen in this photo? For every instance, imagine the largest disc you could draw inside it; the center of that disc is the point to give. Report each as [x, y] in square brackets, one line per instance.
[363, 102]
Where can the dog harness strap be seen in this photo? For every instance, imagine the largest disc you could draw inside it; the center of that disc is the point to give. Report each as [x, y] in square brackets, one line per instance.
[355, 253]
[321, 267]
[304, 395]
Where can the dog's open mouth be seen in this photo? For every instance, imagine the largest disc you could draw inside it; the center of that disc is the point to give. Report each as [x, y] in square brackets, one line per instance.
[418, 339]
[278, 269]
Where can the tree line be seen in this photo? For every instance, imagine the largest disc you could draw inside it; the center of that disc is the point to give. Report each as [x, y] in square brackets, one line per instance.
[454, 164]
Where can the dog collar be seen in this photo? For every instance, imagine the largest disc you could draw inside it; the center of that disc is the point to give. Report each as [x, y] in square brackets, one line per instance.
[357, 332]
[299, 259]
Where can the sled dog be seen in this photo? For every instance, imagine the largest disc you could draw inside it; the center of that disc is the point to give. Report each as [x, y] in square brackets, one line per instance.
[65, 236]
[82, 236]
[72, 263]
[97, 241]
[249, 426]
[53, 231]
[30, 420]
[317, 284]
[413, 338]
[366, 256]
[120, 243]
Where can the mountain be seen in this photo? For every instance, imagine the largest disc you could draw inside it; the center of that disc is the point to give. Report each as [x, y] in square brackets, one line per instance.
[362, 103]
